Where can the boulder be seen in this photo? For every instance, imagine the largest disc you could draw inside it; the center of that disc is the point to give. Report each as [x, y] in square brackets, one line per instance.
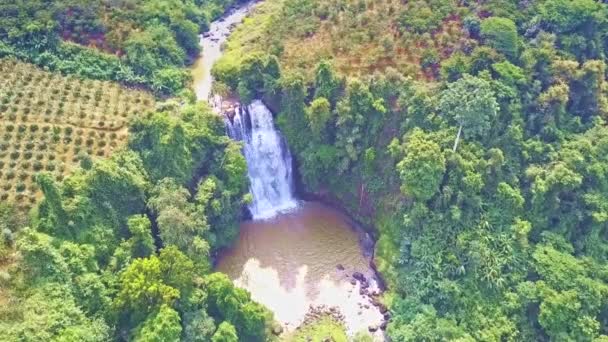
[373, 328]
[359, 276]
[277, 330]
[340, 267]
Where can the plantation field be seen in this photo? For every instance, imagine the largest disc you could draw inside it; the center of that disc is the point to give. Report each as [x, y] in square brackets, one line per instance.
[49, 121]
[358, 37]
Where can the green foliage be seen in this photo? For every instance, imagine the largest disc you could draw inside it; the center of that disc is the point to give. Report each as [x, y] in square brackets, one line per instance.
[170, 146]
[568, 16]
[319, 116]
[98, 231]
[424, 16]
[178, 221]
[501, 34]
[423, 166]
[327, 83]
[152, 48]
[498, 238]
[153, 38]
[472, 103]
[143, 289]
[359, 117]
[255, 74]
[323, 329]
[225, 333]
[160, 327]
[142, 244]
[234, 305]
[198, 326]
[50, 313]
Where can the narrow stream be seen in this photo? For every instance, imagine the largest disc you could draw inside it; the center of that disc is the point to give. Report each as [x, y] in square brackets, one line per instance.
[299, 259]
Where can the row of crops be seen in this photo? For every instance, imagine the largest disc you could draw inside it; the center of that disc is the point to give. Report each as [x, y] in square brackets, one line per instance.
[50, 123]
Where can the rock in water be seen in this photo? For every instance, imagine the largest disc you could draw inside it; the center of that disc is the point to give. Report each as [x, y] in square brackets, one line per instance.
[359, 276]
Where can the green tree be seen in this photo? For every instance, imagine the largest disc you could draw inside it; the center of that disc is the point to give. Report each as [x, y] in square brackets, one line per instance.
[52, 207]
[359, 118]
[327, 84]
[567, 16]
[501, 34]
[141, 240]
[198, 326]
[179, 223]
[161, 326]
[471, 101]
[423, 166]
[225, 333]
[319, 116]
[142, 290]
[232, 304]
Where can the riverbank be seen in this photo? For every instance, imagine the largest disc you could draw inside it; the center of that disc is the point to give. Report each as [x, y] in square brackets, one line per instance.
[212, 42]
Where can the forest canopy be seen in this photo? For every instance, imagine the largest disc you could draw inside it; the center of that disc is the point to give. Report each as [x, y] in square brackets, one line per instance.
[134, 42]
[479, 156]
[470, 138]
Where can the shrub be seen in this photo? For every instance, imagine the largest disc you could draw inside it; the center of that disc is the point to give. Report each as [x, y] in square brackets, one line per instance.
[501, 34]
[37, 166]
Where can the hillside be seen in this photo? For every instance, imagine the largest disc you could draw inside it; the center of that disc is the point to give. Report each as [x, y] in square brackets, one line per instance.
[360, 37]
[143, 43]
[469, 136]
[113, 197]
[50, 123]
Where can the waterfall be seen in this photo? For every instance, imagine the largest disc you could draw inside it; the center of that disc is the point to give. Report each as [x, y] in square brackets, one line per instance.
[268, 160]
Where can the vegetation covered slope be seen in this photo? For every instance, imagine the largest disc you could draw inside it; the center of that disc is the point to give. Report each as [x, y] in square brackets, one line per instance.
[485, 174]
[121, 249]
[135, 42]
[50, 123]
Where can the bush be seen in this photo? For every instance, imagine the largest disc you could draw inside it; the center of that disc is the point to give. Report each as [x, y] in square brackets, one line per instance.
[501, 34]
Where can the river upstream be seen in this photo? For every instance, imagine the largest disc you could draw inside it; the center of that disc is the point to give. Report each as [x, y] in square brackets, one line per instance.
[297, 258]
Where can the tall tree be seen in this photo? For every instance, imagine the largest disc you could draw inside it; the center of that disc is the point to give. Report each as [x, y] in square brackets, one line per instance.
[471, 101]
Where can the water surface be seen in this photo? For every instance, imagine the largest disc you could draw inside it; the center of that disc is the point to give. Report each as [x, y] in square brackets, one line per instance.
[291, 262]
[211, 43]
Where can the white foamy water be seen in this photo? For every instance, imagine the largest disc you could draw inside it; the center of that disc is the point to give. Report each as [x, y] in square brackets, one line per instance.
[268, 160]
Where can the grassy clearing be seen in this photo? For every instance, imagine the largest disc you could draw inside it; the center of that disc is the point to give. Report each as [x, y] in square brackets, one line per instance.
[47, 121]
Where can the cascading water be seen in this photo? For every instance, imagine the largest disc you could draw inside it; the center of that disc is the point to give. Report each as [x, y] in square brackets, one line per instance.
[268, 160]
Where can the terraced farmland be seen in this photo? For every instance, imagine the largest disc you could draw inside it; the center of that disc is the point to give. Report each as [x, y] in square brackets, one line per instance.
[49, 122]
